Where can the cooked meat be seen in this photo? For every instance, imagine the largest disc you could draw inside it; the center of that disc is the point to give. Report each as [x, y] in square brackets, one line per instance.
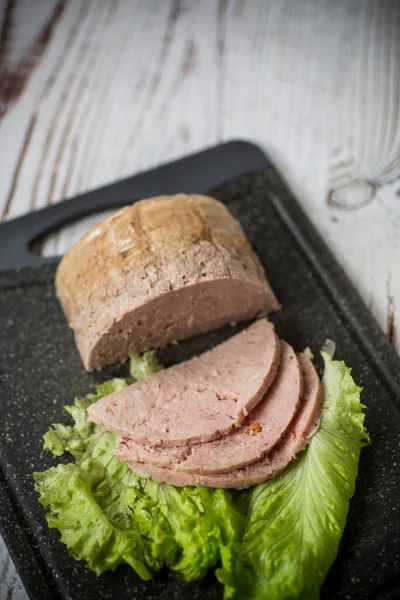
[164, 269]
[198, 400]
[299, 433]
[261, 430]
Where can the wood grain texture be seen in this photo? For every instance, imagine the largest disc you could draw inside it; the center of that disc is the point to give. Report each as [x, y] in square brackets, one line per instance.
[11, 587]
[94, 90]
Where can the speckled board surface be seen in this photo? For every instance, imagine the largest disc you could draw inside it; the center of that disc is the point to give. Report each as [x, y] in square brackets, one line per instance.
[40, 371]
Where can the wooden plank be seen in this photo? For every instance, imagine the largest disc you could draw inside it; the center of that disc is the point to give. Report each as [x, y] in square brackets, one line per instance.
[11, 587]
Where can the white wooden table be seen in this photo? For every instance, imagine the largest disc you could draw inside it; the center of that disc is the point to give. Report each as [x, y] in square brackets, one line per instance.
[94, 90]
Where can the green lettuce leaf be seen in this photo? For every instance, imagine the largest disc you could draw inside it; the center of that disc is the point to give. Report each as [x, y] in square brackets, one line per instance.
[97, 503]
[277, 540]
[205, 523]
[142, 366]
[295, 521]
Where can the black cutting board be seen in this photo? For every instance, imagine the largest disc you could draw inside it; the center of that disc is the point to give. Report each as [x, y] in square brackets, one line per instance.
[40, 372]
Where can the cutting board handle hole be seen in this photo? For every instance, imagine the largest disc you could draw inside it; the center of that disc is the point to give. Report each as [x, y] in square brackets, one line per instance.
[57, 241]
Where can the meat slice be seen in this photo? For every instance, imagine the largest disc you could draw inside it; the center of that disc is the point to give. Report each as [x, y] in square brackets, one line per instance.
[164, 269]
[198, 400]
[300, 432]
[261, 430]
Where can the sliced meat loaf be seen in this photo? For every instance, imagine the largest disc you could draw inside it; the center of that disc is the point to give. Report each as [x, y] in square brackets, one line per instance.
[261, 430]
[300, 431]
[164, 269]
[198, 400]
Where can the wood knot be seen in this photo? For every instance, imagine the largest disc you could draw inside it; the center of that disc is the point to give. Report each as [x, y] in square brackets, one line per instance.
[352, 195]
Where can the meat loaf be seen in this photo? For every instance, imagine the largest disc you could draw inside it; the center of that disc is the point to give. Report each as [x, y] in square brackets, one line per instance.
[198, 400]
[261, 430]
[300, 431]
[164, 269]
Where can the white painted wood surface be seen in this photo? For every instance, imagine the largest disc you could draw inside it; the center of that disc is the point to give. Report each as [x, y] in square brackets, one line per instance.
[94, 90]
